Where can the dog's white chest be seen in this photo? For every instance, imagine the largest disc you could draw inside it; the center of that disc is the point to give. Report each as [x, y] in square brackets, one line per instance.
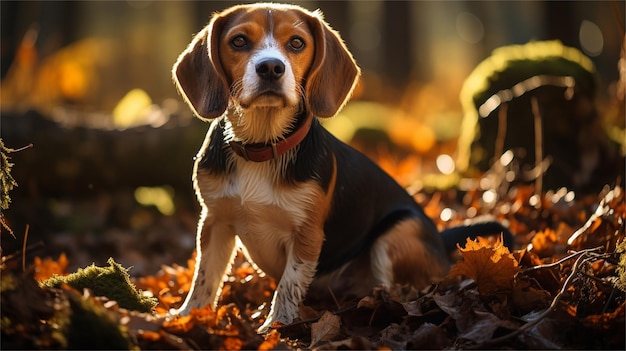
[262, 213]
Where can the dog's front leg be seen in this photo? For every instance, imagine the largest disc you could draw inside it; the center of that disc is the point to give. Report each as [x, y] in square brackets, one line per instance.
[302, 256]
[215, 248]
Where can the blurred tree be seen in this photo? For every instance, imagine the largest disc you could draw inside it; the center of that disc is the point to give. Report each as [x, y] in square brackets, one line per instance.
[398, 51]
[560, 19]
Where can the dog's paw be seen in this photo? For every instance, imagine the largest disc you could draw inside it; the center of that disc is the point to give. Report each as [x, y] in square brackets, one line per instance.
[277, 319]
[181, 311]
[268, 325]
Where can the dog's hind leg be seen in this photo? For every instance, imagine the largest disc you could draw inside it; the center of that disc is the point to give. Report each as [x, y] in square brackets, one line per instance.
[409, 253]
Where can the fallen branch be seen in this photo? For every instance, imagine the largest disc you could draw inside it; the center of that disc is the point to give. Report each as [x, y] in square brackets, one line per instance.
[559, 262]
[582, 257]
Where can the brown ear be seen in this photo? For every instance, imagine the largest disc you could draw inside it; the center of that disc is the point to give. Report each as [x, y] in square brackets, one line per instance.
[198, 74]
[333, 74]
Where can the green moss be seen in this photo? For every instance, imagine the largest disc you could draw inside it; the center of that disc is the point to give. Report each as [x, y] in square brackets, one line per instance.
[112, 282]
[92, 327]
[7, 183]
[621, 266]
[509, 65]
[8, 283]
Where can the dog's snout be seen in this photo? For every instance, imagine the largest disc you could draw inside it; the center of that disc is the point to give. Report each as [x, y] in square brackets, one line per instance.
[270, 69]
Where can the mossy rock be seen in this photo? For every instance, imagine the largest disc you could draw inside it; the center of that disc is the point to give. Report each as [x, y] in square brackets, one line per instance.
[506, 67]
[91, 327]
[112, 281]
[562, 82]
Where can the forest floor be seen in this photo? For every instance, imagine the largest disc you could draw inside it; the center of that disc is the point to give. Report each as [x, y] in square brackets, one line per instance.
[561, 287]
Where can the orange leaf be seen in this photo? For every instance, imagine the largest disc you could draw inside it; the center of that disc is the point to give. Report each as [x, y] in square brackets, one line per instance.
[180, 324]
[491, 266]
[271, 340]
[205, 316]
[159, 310]
[168, 301]
[48, 268]
[544, 242]
[607, 319]
[149, 335]
[244, 271]
[231, 343]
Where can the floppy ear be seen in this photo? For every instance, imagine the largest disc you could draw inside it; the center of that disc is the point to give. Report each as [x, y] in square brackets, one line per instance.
[333, 74]
[198, 74]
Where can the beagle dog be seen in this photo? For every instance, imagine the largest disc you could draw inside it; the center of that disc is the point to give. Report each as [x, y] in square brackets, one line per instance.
[304, 207]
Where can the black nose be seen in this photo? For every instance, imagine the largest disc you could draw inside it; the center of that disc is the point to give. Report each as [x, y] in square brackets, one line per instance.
[270, 69]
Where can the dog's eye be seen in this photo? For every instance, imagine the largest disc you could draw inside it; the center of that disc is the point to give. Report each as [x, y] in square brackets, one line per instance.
[296, 43]
[239, 42]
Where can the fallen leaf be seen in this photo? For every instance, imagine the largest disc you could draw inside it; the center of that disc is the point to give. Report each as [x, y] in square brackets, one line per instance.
[48, 268]
[483, 325]
[180, 324]
[492, 267]
[544, 242]
[608, 319]
[327, 328]
[527, 298]
[271, 340]
[367, 302]
[149, 335]
[428, 337]
[549, 333]
[206, 316]
[231, 343]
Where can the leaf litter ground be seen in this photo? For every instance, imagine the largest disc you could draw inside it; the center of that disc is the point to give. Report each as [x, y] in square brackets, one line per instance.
[563, 289]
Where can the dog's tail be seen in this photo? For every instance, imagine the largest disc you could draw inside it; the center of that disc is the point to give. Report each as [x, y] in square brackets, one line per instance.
[457, 235]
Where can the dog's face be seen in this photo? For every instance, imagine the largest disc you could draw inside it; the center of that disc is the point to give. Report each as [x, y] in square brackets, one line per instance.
[266, 56]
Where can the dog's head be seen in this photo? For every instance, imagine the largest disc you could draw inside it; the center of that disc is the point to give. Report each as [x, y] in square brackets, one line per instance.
[266, 55]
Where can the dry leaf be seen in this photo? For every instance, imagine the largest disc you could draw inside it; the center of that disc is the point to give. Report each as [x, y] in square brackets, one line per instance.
[428, 337]
[483, 325]
[206, 316]
[527, 298]
[48, 268]
[231, 343]
[327, 328]
[544, 242]
[271, 340]
[491, 267]
[180, 324]
[149, 335]
[607, 319]
[367, 302]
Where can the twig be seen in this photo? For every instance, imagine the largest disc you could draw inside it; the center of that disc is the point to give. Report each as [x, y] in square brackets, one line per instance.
[544, 314]
[606, 305]
[22, 148]
[332, 294]
[24, 248]
[315, 319]
[502, 125]
[369, 323]
[29, 249]
[618, 17]
[559, 262]
[538, 146]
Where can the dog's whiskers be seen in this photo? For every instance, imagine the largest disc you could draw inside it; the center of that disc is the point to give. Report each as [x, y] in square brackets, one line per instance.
[236, 87]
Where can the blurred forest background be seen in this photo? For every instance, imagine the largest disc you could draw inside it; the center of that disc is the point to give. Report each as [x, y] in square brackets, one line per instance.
[88, 84]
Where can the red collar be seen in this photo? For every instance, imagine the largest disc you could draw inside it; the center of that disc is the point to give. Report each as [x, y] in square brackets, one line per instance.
[263, 152]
